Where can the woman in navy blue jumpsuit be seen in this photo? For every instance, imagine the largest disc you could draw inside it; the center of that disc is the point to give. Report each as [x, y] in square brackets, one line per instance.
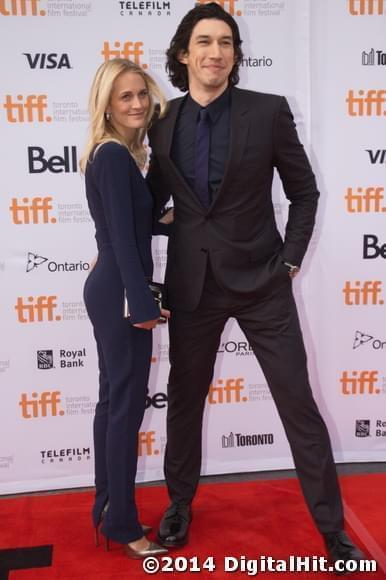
[121, 106]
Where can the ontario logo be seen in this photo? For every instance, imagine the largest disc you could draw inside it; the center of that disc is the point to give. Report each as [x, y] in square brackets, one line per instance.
[360, 339]
[34, 261]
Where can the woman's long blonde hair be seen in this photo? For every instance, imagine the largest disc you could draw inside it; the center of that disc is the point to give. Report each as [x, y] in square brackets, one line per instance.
[101, 129]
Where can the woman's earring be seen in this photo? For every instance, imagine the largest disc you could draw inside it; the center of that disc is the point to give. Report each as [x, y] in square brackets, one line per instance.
[107, 116]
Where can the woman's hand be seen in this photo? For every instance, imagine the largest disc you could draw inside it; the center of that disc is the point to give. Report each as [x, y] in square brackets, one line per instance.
[147, 325]
[168, 217]
[164, 314]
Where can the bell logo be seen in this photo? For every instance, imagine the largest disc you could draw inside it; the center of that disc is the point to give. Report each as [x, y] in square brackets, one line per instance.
[20, 8]
[45, 405]
[37, 163]
[146, 444]
[39, 309]
[48, 61]
[228, 5]
[29, 109]
[366, 7]
[365, 200]
[359, 383]
[31, 211]
[226, 391]
[367, 104]
[363, 294]
[129, 50]
[371, 248]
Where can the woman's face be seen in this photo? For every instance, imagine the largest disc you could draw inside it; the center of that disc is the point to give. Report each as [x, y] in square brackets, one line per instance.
[129, 104]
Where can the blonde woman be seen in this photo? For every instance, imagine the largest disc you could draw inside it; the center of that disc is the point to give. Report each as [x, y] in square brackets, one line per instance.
[122, 103]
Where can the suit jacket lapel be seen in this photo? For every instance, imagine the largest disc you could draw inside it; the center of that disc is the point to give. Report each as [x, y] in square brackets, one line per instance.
[239, 129]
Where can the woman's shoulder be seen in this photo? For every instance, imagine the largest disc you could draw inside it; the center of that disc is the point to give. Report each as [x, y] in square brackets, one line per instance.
[111, 150]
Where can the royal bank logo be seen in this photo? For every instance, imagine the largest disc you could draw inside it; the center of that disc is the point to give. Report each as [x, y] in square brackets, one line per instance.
[34, 261]
[45, 359]
[362, 428]
[68, 358]
[240, 440]
[374, 58]
[144, 8]
[360, 339]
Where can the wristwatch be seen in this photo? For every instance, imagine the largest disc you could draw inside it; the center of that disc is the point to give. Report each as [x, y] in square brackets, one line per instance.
[292, 269]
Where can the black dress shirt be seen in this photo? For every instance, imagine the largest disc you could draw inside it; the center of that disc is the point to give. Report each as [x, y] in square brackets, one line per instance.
[184, 136]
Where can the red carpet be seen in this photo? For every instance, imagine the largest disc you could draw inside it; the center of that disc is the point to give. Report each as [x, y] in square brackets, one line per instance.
[251, 519]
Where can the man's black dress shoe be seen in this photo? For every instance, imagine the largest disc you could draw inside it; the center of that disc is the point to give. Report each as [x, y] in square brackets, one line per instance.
[174, 527]
[340, 547]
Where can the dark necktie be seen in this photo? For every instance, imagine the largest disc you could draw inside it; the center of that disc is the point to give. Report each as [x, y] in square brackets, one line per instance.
[201, 164]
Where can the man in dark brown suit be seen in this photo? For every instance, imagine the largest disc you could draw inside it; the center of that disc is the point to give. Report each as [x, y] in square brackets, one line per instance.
[215, 152]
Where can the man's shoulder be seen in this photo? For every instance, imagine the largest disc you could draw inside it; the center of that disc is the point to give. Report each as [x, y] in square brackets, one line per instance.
[248, 95]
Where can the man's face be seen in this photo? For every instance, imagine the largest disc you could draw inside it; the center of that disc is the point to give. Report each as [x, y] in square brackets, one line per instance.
[210, 56]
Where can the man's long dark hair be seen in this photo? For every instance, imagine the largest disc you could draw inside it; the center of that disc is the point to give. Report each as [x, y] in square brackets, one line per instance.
[177, 71]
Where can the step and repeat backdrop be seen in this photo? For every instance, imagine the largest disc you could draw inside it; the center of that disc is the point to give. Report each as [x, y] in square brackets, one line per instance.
[329, 58]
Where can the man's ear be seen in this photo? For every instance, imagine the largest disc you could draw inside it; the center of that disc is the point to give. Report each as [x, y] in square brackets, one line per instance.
[182, 56]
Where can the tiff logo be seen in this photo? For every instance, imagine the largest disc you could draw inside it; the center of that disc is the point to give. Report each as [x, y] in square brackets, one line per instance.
[228, 5]
[49, 61]
[20, 8]
[366, 7]
[360, 383]
[31, 211]
[39, 309]
[356, 293]
[146, 443]
[365, 200]
[229, 391]
[373, 57]
[47, 405]
[26, 109]
[129, 50]
[366, 104]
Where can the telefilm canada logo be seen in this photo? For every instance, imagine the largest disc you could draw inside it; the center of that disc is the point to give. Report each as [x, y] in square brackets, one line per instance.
[35, 260]
[68, 455]
[241, 440]
[361, 339]
[144, 8]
